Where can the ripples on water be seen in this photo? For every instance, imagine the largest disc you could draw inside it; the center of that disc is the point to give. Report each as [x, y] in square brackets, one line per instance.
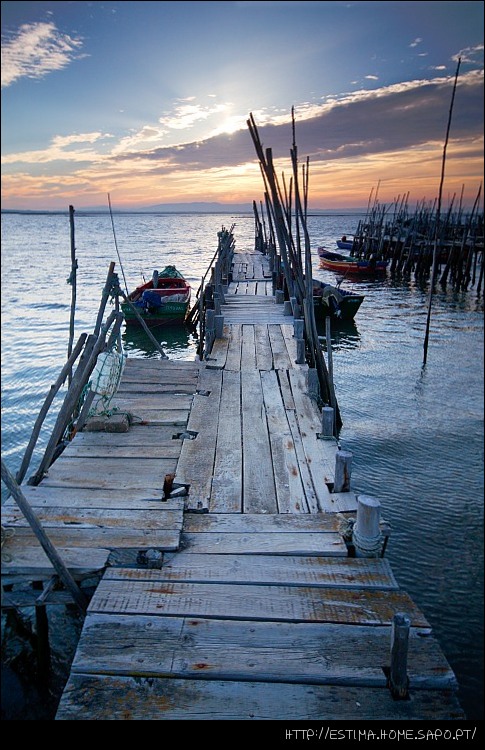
[416, 434]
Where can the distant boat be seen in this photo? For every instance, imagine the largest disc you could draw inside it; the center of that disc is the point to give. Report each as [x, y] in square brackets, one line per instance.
[331, 301]
[345, 244]
[331, 260]
[164, 300]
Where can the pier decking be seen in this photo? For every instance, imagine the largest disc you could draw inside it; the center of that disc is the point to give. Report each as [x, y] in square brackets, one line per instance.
[238, 600]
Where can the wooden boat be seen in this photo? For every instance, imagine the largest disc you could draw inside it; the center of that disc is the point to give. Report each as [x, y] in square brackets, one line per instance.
[164, 300]
[332, 301]
[331, 260]
[345, 244]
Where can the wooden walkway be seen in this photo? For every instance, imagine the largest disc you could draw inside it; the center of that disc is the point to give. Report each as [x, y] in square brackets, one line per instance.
[251, 608]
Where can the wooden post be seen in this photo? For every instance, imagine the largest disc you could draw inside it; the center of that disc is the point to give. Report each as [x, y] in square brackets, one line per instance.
[45, 408]
[279, 296]
[343, 471]
[44, 540]
[313, 383]
[79, 380]
[398, 678]
[300, 351]
[298, 328]
[328, 419]
[366, 534]
[72, 280]
[219, 325]
[287, 309]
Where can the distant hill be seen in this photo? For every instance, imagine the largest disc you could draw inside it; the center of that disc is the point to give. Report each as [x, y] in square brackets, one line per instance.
[197, 207]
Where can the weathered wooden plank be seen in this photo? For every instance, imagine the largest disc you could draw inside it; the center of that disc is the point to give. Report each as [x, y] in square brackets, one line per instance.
[254, 602]
[156, 401]
[305, 474]
[277, 543]
[24, 557]
[328, 572]
[217, 358]
[77, 497]
[145, 435]
[259, 495]
[135, 386]
[132, 698]
[175, 417]
[304, 653]
[251, 289]
[290, 494]
[99, 517]
[196, 463]
[285, 389]
[261, 523]
[248, 353]
[109, 472]
[134, 364]
[164, 449]
[226, 493]
[318, 452]
[290, 341]
[264, 355]
[281, 360]
[233, 360]
[114, 538]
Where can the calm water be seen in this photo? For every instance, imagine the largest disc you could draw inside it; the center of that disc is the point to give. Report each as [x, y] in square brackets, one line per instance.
[416, 434]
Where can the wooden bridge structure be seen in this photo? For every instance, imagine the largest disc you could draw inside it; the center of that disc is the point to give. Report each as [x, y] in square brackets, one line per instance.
[231, 592]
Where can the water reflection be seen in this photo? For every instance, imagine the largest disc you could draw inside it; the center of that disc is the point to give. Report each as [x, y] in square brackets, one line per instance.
[178, 341]
[344, 334]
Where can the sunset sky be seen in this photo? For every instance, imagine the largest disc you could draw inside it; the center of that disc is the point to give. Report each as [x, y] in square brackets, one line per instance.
[148, 101]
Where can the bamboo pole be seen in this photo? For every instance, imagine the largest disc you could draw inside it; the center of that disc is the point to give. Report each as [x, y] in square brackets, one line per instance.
[44, 540]
[433, 270]
[73, 281]
[45, 408]
[73, 395]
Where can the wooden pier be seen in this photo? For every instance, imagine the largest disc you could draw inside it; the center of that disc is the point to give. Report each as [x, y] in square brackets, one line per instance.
[235, 597]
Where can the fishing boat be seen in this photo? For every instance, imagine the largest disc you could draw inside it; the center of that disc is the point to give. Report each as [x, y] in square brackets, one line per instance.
[331, 301]
[331, 260]
[345, 244]
[163, 300]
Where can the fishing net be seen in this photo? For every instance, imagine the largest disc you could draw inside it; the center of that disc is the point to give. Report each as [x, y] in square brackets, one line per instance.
[105, 379]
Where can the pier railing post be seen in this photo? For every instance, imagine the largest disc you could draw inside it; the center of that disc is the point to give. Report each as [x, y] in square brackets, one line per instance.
[328, 418]
[343, 471]
[398, 678]
[366, 534]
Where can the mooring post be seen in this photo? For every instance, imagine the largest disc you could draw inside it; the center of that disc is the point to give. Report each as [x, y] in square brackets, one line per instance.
[280, 296]
[343, 471]
[328, 419]
[219, 325]
[398, 677]
[366, 534]
[300, 351]
[298, 328]
[287, 309]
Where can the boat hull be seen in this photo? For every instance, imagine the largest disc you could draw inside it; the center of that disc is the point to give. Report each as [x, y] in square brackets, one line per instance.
[164, 300]
[348, 266]
[330, 301]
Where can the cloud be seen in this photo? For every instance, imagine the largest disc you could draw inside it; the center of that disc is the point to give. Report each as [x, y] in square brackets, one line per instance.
[417, 41]
[36, 50]
[362, 123]
[186, 115]
[62, 148]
